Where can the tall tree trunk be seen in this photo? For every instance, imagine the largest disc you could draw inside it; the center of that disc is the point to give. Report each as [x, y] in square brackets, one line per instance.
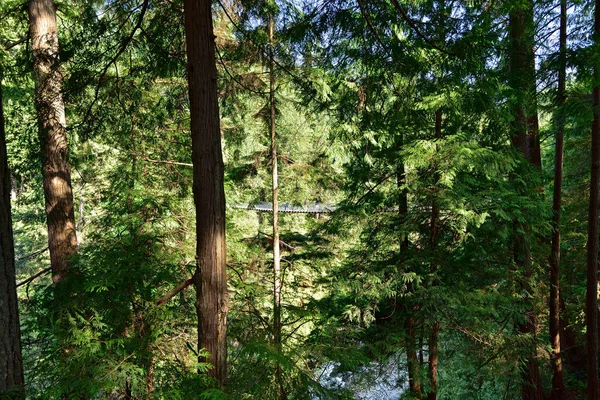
[11, 362]
[434, 232]
[209, 195]
[62, 238]
[275, 193]
[414, 382]
[556, 359]
[591, 309]
[525, 138]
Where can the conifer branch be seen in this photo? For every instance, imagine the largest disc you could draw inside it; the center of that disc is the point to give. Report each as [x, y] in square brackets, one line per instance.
[371, 189]
[414, 26]
[116, 57]
[301, 82]
[363, 11]
[222, 62]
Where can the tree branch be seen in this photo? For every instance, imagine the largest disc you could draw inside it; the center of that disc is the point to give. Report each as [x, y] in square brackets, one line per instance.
[14, 44]
[31, 278]
[363, 11]
[32, 255]
[412, 24]
[121, 50]
[168, 162]
[183, 285]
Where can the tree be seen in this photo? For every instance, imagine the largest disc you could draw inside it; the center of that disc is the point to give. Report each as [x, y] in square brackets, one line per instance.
[209, 196]
[11, 362]
[554, 301]
[524, 135]
[591, 309]
[275, 195]
[58, 192]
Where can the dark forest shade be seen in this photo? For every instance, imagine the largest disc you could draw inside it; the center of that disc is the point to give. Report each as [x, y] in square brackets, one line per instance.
[209, 196]
[58, 192]
[554, 301]
[11, 363]
[591, 309]
[524, 132]
[433, 260]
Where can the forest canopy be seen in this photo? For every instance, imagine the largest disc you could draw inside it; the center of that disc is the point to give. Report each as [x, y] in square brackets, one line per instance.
[299, 199]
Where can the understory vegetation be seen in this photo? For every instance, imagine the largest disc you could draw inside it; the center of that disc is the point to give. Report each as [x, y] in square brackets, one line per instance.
[428, 222]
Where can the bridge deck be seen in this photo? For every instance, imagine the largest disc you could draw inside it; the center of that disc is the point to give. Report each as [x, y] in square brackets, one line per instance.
[309, 208]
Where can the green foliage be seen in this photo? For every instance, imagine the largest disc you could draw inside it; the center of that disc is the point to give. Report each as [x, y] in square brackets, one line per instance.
[427, 219]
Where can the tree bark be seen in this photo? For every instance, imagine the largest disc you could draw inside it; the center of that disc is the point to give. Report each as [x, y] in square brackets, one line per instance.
[592, 242]
[556, 358]
[11, 362]
[525, 139]
[414, 382]
[209, 195]
[58, 193]
[435, 217]
[277, 284]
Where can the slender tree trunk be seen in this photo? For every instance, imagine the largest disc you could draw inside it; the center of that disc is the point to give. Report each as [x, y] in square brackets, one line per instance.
[209, 195]
[414, 381]
[592, 242]
[433, 359]
[149, 379]
[435, 217]
[11, 362]
[62, 238]
[556, 359]
[275, 193]
[525, 138]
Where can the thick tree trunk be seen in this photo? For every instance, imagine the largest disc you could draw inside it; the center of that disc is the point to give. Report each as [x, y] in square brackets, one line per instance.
[11, 363]
[591, 309]
[62, 238]
[209, 195]
[556, 359]
[525, 139]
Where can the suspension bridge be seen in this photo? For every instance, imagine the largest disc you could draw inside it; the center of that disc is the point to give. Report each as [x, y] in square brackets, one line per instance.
[306, 208]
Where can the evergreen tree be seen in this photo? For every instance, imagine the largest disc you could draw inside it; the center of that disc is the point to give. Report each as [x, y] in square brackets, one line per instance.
[591, 310]
[209, 197]
[62, 238]
[11, 366]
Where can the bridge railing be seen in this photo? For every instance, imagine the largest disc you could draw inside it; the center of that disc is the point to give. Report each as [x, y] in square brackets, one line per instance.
[306, 208]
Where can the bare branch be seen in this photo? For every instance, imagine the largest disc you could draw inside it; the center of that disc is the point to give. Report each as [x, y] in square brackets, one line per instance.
[182, 286]
[168, 162]
[32, 278]
[15, 44]
[32, 255]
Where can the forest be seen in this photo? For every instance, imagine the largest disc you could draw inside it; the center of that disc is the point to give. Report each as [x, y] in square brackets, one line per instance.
[299, 199]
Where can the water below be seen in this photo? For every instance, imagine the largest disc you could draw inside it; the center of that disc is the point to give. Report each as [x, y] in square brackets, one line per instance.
[377, 381]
